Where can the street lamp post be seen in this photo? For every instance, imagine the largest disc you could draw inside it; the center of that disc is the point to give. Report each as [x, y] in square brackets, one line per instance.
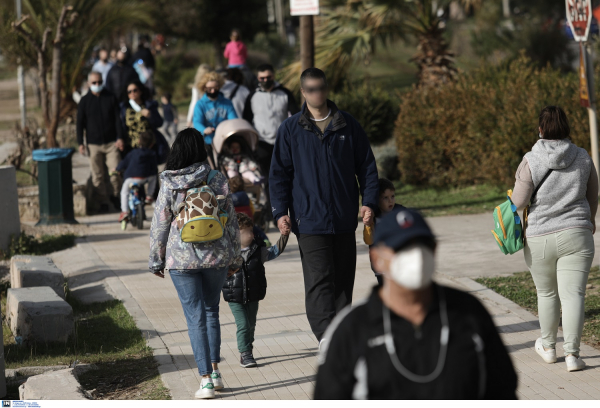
[21, 79]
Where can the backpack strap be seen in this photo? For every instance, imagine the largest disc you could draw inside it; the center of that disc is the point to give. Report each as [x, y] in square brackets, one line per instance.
[234, 91]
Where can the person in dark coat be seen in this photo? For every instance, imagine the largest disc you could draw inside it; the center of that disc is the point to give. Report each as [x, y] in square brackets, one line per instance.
[319, 155]
[246, 287]
[413, 338]
[100, 134]
[120, 75]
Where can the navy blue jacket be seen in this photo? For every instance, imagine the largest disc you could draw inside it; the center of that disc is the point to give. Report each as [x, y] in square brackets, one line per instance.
[139, 162]
[314, 175]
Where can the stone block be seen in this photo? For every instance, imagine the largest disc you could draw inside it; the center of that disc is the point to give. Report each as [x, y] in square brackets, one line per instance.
[38, 315]
[9, 206]
[53, 385]
[28, 271]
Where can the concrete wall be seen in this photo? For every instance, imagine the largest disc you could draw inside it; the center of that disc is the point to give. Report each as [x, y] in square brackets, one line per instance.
[9, 205]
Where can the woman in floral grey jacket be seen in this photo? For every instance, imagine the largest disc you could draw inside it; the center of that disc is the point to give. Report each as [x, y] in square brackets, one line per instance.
[198, 271]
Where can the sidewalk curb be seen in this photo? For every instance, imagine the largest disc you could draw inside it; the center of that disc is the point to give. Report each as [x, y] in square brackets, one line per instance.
[166, 367]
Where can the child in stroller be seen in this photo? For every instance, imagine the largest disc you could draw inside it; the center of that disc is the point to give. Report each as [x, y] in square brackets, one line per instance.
[236, 162]
[235, 141]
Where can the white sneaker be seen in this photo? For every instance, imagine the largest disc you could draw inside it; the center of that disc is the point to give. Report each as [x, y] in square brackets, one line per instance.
[574, 363]
[217, 380]
[206, 390]
[548, 356]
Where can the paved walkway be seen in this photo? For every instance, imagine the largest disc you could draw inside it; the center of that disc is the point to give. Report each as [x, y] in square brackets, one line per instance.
[112, 263]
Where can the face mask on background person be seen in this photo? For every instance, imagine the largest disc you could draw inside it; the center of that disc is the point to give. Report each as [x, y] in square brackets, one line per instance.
[266, 85]
[413, 267]
[97, 88]
[213, 94]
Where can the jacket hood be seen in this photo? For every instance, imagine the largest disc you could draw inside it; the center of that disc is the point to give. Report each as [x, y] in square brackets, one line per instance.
[555, 154]
[186, 178]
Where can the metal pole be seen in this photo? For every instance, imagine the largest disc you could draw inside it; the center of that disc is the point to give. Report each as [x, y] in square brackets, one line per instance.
[21, 79]
[589, 65]
[280, 19]
[506, 8]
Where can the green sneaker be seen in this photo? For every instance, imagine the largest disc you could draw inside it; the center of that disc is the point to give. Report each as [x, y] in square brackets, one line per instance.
[217, 380]
[207, 389]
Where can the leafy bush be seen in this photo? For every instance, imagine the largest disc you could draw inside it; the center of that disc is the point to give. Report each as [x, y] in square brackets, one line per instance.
[477, 129]
[24, 244]
[375, 109]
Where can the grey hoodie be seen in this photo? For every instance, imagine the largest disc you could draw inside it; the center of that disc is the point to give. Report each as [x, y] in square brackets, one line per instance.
[561, 201]
[167, 250]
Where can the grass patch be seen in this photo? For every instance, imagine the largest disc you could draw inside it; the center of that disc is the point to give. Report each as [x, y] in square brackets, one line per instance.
[23, 176]
[450, 201]
[520, 289]
[28, 245]
[105, 335]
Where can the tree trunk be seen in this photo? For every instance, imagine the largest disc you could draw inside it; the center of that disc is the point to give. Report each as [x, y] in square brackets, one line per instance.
[435, 61]
[56, 77]
[43, 89]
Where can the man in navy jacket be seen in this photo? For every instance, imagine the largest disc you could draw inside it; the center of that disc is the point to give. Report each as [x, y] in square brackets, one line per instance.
[320, 154]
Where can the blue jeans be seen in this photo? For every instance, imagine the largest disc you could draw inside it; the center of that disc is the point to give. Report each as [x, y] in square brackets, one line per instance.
[199, 291]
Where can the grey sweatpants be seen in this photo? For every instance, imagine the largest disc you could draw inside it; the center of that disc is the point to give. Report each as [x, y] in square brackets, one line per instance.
[560, 263]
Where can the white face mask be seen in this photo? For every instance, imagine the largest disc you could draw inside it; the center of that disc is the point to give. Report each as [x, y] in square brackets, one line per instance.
[96, 88]
[413, 267]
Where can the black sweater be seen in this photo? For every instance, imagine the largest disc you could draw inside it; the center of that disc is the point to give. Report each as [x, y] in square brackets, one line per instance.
[355, 362]
[100, 117]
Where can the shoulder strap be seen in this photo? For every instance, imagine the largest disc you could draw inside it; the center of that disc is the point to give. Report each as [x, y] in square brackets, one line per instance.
[234, 92]
[539, 185]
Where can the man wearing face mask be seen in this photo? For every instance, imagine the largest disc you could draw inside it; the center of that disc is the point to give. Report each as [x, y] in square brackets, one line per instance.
[413, 338]
[266, 108]
[98, 117]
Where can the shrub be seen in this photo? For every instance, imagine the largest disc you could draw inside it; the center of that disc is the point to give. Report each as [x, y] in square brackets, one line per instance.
[375, 109]
[477, 129]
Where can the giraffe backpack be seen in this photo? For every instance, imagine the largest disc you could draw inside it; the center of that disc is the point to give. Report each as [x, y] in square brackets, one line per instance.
[200, 219]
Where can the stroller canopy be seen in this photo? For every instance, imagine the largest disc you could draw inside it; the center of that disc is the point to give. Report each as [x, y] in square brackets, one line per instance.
[234, 127]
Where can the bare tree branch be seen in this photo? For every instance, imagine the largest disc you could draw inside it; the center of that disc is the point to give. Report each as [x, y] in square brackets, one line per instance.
[47, 32]
[17, 26]
[61, 23]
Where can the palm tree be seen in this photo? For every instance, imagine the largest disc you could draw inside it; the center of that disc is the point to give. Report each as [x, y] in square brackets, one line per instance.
[347, 32]
[84, 23]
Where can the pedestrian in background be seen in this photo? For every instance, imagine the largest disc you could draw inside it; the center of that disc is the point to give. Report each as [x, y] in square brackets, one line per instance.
[559, 241]
[320, 154]
[213, 108]
[235, 51]
[196, 94]
[120, 75]
[413, 338]
[266, 108]
[99, 128]
[170, 118]
[103, 65]
[198, 270]
[235, 91]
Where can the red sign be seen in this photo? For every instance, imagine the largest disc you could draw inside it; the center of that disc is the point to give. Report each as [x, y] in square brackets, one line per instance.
[579, 16]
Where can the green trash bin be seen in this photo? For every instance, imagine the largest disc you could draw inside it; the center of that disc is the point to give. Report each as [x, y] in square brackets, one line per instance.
[55, 184]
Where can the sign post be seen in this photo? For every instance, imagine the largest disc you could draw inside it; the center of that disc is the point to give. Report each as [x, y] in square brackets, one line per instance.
[306, 9]
[579, 16]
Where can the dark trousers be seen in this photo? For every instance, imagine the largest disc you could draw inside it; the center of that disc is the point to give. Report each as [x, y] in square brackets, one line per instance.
[264, 154]
[329, 266]
[245, 322]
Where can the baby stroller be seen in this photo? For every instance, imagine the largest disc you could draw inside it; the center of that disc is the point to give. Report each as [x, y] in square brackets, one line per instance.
[241, 131]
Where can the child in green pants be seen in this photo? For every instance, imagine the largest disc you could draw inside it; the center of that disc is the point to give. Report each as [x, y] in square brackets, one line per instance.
[246, 287]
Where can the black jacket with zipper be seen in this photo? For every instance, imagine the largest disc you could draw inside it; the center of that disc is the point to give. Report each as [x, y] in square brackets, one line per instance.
[249, 283]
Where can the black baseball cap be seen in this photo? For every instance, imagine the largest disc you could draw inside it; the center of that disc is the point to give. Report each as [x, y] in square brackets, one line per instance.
[399, 227]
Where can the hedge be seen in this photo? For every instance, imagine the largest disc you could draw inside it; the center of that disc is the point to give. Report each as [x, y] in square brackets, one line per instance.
[477, 129]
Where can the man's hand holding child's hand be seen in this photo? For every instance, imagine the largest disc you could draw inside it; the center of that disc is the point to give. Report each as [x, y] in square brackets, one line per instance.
[284, 225]
[367, 215]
